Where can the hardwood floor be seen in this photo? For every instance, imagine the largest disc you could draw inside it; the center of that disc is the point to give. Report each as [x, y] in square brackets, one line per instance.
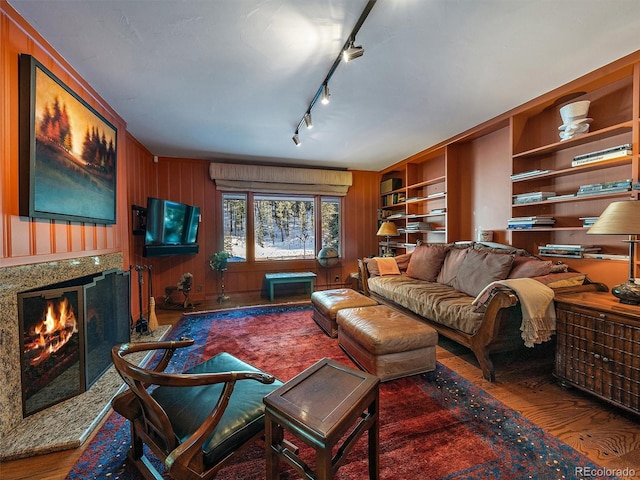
[605, 434]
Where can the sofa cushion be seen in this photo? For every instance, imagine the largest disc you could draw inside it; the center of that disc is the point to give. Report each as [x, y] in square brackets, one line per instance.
[434, 301]
[479, 269]
[426, 262]
[528, 267]
[452, 261]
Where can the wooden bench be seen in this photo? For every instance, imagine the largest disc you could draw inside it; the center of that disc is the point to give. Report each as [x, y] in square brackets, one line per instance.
[294, 277]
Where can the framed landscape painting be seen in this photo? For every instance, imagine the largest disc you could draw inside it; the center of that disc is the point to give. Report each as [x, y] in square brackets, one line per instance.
[67, 151]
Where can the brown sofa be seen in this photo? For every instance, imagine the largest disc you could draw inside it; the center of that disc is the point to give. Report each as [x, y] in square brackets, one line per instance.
[465, 291]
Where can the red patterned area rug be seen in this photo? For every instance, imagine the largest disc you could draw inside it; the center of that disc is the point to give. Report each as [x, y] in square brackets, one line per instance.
[433, 426]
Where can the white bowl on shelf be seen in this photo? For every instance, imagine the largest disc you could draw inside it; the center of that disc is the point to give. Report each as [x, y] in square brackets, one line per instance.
[574, 111]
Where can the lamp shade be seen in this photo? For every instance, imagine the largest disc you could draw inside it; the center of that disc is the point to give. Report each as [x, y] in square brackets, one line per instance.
[388, 229]
[619, 218]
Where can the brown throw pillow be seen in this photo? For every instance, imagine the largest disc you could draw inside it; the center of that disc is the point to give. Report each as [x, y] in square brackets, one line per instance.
[426, 261]
[372, 266]
[452, 262]
[529, 267]
[479, 269]
[403, 261]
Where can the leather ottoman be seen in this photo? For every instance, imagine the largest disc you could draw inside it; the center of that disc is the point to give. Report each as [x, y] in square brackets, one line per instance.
[387, 343]
[327, 303]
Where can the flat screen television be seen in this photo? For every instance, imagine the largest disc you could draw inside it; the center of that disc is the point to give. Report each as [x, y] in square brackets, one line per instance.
[171, 228]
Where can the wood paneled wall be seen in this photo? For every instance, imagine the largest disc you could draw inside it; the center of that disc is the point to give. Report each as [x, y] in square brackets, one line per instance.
[25, 240]
[187, 181]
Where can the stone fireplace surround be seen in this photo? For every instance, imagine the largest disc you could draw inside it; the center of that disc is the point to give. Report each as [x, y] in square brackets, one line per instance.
[17, 279]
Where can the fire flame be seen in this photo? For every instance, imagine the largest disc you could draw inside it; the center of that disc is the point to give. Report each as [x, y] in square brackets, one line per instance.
[53, 332]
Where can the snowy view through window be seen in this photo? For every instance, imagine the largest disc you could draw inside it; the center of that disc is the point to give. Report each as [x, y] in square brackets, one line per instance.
[284, 226]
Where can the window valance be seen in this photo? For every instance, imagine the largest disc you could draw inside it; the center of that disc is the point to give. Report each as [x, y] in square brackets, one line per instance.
[233, 177]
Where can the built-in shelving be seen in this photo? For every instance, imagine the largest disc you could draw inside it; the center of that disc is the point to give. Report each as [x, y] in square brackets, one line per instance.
[536, 146]
[427, 181]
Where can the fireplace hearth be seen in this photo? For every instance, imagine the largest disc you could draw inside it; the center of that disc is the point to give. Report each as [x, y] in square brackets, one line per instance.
[67, 330]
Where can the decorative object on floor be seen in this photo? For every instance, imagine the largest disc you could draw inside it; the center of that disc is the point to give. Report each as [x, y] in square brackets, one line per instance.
[222, 394]
[184, 285]
[574, 119]
[218, 262]
[142, 325]
[328, 257]
[153, 319]
[622, 218]
[437, 422]
[388, 229]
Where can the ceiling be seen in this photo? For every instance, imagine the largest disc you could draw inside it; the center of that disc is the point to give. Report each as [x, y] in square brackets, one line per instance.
[231, 79]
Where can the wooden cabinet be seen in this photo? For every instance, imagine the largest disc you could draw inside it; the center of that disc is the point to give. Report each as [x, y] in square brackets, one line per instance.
[598, 347]
[536, 146]
[420, 208]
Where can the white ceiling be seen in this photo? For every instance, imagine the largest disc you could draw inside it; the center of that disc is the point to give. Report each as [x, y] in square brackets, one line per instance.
[232, 78]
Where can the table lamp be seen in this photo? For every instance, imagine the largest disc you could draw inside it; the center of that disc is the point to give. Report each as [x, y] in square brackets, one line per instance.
[622, 218]
[387, 229]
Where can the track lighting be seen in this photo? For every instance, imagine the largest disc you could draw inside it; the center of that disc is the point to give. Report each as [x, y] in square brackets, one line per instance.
[352, 52]
[325, 94]
[349, 52]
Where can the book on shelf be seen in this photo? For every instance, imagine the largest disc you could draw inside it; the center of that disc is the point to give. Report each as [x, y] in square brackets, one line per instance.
[570, 246]
[602, 155]
[573, 251]
[395, 216]
[560, 197]
[530, 173]
[415, 199]
[436, 211]
[614, 186]
[383, 213]
[530, 222]
[532, 197]
[606, 256]
[436, 195]
[588, 221]
[413, 226]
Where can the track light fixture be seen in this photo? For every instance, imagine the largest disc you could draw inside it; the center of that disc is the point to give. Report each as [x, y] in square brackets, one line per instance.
[352, 52]
[349, 52]
[325, 94]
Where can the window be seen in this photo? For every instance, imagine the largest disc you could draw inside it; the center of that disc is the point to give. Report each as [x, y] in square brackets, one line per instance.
[234, 225]
[330, 222]
[282, 227]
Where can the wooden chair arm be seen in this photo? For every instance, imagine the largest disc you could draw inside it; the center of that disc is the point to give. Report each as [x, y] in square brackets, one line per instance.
[198, 379]
[168, 346]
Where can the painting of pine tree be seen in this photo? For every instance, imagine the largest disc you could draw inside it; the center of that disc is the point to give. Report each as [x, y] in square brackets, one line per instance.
[72, 156]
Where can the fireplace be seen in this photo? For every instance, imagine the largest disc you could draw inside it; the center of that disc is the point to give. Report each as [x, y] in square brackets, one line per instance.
[67, 330]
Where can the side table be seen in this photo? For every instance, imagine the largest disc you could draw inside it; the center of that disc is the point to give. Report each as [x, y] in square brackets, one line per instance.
[319, 406]
[598, 347]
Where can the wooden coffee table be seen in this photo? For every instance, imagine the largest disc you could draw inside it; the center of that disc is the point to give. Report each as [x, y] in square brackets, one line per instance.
[319, 406]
